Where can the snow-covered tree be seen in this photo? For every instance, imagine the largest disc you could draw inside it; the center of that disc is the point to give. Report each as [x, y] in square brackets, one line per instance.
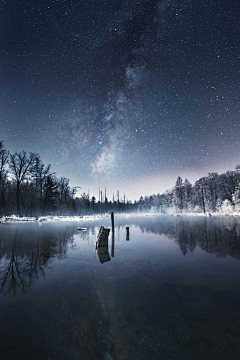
[187, 201]
[200, 193]
[178, 194]
[211, 191]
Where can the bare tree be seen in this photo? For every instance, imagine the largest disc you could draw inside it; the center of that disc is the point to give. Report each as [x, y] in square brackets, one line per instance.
[20, 165]
[3, 176]
[3, 158]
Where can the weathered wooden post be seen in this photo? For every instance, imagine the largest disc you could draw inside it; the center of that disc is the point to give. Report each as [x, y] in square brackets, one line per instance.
[112, 250]
[112, 220]
[127, 232]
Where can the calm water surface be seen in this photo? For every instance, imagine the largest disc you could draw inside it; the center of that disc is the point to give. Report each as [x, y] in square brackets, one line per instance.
[172, 291]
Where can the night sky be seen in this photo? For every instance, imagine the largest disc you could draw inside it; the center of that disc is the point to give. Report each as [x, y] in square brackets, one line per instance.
[127, 94]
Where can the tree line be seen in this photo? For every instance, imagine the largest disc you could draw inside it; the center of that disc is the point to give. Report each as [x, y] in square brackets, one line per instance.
[213, 193]
[30, 188]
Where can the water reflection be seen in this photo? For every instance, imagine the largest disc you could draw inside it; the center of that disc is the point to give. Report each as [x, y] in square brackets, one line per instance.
[217, 235]
[26, 254]
[144, 304]
[24, 257]
[103, 254]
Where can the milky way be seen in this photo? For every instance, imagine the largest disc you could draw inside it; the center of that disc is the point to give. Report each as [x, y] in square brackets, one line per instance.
[122, 94]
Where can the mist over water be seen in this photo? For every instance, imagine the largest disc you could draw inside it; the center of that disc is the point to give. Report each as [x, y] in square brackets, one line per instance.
[168, 290]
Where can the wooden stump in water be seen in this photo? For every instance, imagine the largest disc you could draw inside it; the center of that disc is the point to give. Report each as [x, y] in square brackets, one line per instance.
[102, 245]
[102, 238]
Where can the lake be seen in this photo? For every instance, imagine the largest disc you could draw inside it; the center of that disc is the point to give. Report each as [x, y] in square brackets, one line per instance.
[169, 291]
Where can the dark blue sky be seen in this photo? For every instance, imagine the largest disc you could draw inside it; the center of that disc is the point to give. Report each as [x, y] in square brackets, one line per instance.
[122, 94]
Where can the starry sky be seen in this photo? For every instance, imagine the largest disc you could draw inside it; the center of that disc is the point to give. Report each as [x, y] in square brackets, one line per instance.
[122, 94]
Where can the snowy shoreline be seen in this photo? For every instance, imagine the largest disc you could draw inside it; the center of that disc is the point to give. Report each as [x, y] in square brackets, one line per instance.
[41, 219]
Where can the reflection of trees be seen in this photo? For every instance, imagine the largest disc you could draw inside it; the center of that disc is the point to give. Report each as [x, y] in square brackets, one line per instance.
[19, 269]
[217, 235]
[23, 260]
[220, 236]
[84, 235]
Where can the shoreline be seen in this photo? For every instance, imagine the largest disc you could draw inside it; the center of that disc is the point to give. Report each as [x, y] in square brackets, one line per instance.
[50, 218]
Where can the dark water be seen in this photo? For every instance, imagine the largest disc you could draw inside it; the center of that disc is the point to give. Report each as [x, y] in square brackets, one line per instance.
[172, 291]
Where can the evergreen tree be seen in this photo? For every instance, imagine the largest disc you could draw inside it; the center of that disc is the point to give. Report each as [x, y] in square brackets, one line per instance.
[178, 193]
[50, 194]
[39, 174]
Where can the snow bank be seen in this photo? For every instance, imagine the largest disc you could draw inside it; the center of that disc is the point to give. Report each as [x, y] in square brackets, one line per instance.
[14, 218]
[226, 210]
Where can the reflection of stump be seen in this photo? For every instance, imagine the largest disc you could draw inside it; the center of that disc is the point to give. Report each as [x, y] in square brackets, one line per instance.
[102, 238]
[103, 254]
